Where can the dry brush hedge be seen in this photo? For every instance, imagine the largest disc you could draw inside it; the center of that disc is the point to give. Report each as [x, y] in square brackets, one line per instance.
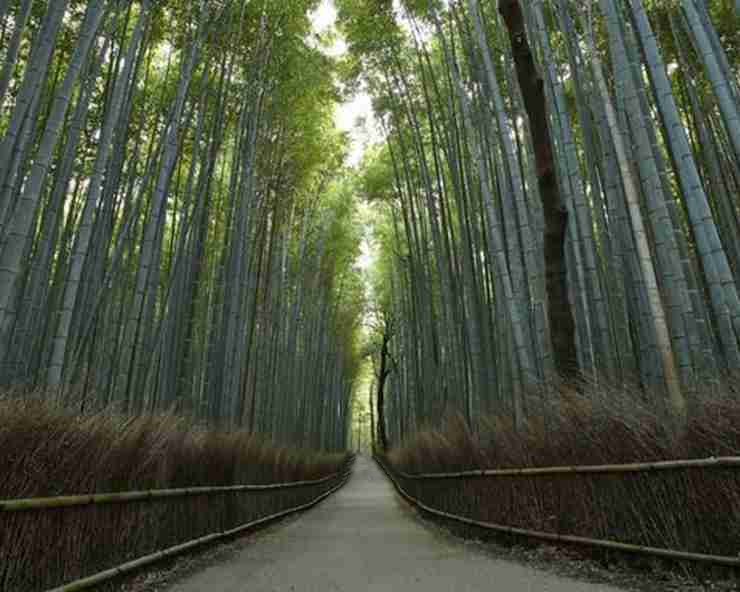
[693, 509]
[45, 452]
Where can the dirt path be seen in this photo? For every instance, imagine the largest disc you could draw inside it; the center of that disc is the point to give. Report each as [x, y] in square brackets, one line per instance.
[362, 540]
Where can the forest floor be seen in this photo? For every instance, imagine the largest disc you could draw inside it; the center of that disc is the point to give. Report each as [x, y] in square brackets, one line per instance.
[366, 538]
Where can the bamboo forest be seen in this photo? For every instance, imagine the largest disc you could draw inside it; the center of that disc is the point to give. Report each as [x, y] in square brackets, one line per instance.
[241, 240]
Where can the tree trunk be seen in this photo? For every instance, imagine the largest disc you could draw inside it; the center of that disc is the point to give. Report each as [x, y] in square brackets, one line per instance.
[382, 377]
[561, 321]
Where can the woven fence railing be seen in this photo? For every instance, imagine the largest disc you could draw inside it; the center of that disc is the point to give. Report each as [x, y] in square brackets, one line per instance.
[667, 465]
[68, 501]
[687, 510]
[70, 543]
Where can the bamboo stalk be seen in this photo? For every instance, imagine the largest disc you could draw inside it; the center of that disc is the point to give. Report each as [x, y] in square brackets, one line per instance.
[47, 503]
[706, 463]
[136, 564]
[564, 538]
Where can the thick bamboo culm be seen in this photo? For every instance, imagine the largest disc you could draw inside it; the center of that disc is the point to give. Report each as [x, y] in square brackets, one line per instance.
[564, 538]
[66, 501]
[668, 465]
[136, 564]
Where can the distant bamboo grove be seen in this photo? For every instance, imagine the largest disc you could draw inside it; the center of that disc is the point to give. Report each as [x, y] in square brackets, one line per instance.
[642, 107]
[173, 235]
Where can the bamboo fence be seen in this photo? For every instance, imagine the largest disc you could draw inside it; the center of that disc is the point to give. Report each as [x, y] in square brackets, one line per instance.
[725, 560]
[67, 501]
[334, 481]
[668, 465]
[137, 564]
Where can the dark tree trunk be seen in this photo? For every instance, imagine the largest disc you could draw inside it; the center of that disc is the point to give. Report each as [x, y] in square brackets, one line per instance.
[562, 324]
[382, 377]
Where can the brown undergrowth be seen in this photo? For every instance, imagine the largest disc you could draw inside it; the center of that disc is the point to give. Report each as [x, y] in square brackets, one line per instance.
[45, 451]
[695, 510]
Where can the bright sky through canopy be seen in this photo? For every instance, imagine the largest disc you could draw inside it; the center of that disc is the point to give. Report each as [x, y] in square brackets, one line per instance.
[355, 116]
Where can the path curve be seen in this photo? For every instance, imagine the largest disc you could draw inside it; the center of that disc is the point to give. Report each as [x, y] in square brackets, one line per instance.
[361, 539]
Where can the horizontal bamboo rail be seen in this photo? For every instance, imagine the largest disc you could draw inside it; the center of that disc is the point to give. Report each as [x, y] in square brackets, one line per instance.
[67, 501]
[564, 538]
[132, 566]
[669, 465]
